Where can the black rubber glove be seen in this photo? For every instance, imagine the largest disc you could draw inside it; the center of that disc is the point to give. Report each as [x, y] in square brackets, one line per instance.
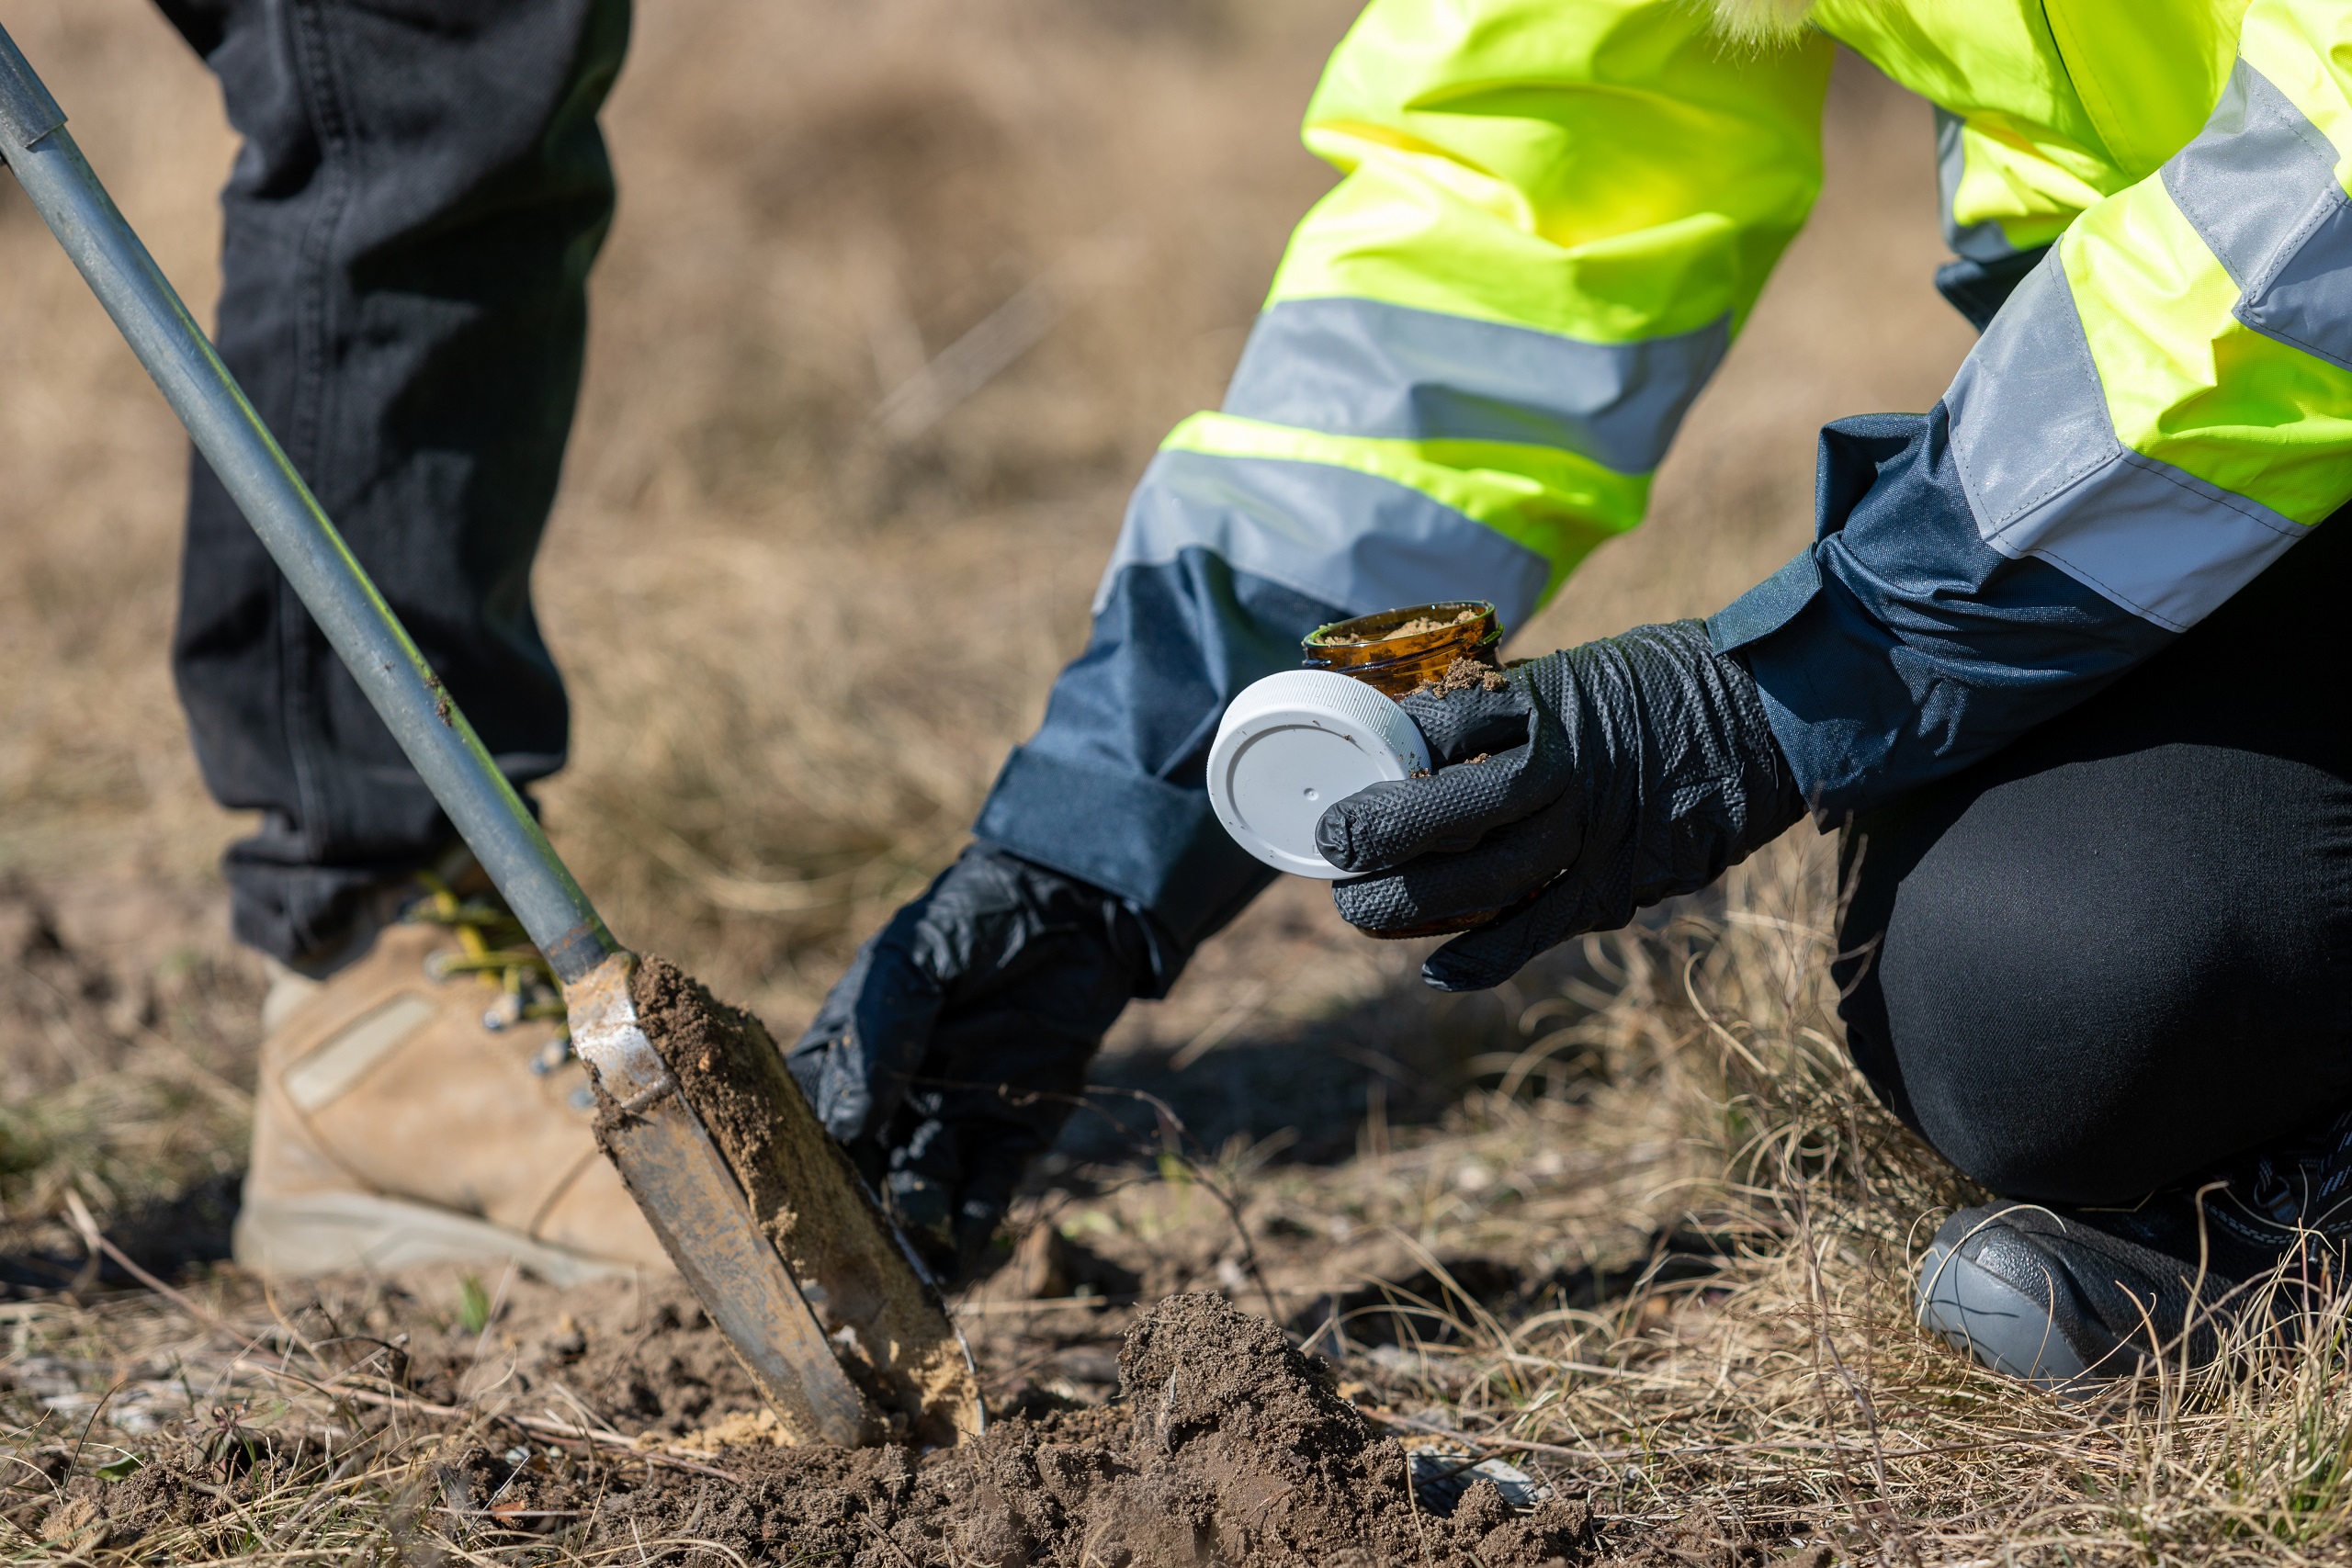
[1615, 774]
[951, 1052]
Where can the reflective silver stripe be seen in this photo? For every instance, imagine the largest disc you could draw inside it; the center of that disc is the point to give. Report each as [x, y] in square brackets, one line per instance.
[2258, 185]
[1347, 538]
[1348, 367]
[1983, 239]
[2047, 477]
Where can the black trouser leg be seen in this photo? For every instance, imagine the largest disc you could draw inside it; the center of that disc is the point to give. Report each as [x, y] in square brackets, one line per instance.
[2121, 950]
[408, 232]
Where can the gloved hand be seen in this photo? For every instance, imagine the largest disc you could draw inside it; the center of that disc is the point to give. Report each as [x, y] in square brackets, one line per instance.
[1571, 791]
[951, 1052]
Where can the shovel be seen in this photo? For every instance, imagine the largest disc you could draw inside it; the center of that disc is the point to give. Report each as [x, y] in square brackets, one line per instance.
[768, 1222]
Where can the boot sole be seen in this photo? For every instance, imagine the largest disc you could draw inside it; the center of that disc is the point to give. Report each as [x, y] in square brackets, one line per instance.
[330, 1232]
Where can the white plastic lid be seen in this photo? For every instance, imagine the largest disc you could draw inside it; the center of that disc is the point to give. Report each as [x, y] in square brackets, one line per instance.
[1293, 744]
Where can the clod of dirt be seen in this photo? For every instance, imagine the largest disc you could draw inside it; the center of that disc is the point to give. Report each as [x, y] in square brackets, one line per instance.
[70, 1520]
[1229, 1447]
[809, 1201]
[1462, 675]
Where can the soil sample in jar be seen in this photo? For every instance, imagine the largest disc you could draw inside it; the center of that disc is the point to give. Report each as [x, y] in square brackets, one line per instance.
[1398, 651]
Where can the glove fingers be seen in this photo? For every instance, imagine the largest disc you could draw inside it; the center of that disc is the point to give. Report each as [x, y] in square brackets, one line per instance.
[1461, 725]
[1438, 887]
[1484, 958]
[856, 1059]
[811, 1054]
[1390, 823]
[995, 1163]
[926, 1167]
[951, 1181]
[957, 1045]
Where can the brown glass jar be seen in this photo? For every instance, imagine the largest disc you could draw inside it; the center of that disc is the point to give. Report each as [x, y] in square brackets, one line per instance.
[1396, 652]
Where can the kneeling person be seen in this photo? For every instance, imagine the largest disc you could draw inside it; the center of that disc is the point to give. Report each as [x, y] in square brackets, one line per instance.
[2049, 660]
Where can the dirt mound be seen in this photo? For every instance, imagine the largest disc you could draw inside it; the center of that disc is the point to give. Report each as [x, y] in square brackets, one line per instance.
[1227, 1447]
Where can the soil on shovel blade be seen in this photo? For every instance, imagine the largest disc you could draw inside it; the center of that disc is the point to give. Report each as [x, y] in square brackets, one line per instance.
[809, 1201]
[1227, 1447]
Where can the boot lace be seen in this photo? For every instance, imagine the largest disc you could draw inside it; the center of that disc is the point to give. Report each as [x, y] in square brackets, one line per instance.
[493, 947]
[2308, 1184]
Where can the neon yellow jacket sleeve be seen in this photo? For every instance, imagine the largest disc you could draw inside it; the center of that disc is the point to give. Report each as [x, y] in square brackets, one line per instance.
[2165, 404]
[2158, 413]
[1553, 216]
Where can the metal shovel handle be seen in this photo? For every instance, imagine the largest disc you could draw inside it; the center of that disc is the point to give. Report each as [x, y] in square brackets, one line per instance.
[677, 1175]
[491, 818]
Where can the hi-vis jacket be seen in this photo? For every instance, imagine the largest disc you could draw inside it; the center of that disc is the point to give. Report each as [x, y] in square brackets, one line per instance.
[1554, 217]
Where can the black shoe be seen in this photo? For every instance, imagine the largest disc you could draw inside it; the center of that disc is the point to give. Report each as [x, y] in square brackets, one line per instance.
[2069, 1297]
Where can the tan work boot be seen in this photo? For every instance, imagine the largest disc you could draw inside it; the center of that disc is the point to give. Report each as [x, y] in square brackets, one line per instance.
[422, 1106]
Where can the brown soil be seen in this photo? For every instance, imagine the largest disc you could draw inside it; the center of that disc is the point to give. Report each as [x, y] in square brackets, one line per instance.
[810, 1201]
[1227, 1447]
[180, 1486]
[1420, 626]
[1463, 674]
[643, 1357]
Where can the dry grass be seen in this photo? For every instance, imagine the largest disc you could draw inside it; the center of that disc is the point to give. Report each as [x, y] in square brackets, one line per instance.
[1790, 1389]
[1777, 1394]
[811, 574]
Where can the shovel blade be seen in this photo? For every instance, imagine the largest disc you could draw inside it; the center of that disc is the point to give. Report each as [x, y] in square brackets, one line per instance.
[806, 1196]
[681, 1181]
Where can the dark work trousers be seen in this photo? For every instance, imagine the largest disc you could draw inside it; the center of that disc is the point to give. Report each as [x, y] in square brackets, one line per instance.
[409, 227]
[2120, 951]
